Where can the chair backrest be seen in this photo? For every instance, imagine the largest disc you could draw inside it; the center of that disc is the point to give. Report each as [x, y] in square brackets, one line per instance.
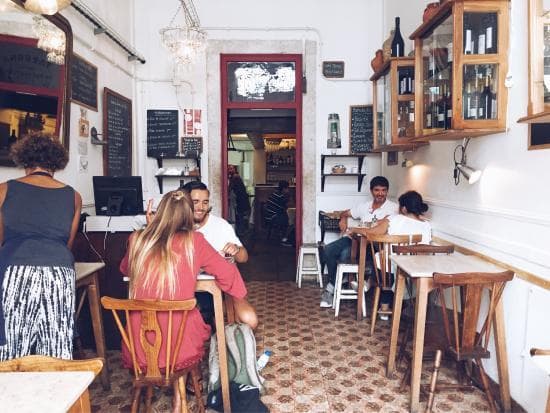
[423, 249]
[466, 342]
[150, 310]
[381, 244]
[37, 363]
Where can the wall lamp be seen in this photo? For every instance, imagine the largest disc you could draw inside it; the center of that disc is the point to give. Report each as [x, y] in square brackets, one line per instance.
[461, 167]
[102, 27]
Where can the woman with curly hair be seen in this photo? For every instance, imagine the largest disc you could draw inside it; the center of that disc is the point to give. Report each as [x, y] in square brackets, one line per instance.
[38, 222]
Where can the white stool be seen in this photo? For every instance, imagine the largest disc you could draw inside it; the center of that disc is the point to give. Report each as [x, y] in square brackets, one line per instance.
[309, 263]
[345, 293]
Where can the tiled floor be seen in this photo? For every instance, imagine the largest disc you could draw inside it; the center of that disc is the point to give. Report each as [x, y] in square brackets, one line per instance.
[319, 363]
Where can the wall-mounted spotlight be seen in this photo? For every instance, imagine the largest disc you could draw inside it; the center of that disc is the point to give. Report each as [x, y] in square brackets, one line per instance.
[461, 167]
[407, 163]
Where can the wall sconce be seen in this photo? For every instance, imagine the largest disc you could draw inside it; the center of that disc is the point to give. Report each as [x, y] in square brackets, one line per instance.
[461, 167]
[46, 6]
[407, 163]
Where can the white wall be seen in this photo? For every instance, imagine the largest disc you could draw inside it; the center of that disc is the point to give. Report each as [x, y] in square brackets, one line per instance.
[505, 215]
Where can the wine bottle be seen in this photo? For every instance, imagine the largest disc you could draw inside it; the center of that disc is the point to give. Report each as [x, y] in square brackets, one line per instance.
[449, 107]
[468, 42]
[486, 100]
[441, 108]
[466, 99]
[397, 44]
[490, 42]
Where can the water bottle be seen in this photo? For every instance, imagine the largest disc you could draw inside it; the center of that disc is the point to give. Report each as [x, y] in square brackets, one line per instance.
[263, 360]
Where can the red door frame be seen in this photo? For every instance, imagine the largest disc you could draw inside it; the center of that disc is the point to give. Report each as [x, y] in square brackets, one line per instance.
[296, 105]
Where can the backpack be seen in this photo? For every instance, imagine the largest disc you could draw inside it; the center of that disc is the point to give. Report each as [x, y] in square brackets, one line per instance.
[241, 358]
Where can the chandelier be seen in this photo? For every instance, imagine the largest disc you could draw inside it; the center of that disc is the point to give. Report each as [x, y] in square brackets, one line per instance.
[50, 39]
[185, 43]
[46, 6]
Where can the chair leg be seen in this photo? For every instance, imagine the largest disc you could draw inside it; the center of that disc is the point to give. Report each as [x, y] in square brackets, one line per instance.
[337, 291]
[195, 376]
[485, 383]
[320, 277]
[299, 268]
[183, 396]
[374, 309]
[135, 400]
[148, 399]
[437, 364]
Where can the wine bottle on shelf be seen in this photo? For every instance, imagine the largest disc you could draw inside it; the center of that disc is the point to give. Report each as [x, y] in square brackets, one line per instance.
[479, 88]
[467, 101]
[397, 44]
[474, 101]
[490, 42]
[468, 39]
[487, 97]
[428, 112]
[481, 44]
[449, 108]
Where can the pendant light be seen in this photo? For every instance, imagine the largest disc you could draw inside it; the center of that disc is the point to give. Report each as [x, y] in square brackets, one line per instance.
[46, 6]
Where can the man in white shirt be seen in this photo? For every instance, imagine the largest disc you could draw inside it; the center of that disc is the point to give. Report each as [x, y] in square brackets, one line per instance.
[379, 207]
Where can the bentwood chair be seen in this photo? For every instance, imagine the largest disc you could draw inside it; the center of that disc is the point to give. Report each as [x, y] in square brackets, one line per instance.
[466, 344]
[381, 250]
[150, 341]
[37, 363]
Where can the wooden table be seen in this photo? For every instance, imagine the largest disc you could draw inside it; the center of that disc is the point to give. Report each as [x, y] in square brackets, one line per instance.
[543, 362]
[420, 269]
[52, 392]
[208, 284]
[87, 277]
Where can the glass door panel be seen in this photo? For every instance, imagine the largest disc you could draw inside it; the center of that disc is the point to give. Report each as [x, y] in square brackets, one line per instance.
[480, 92]
[480, 33]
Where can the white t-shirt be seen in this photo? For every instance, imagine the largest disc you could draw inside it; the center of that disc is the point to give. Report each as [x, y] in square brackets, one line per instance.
[403, 225]
[365, 213]
[219, 232]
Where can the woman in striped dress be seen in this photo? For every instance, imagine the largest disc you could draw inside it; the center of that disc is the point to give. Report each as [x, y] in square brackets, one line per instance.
[38, 222]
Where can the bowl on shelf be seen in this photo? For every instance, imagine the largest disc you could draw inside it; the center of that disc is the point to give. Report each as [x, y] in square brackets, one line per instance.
[338, 169]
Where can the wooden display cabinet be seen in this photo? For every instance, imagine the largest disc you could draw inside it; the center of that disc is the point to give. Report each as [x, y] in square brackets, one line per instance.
[461, 61]
[394, 105]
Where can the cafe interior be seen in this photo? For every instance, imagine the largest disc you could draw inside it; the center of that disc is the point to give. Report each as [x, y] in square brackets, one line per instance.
[446, 98]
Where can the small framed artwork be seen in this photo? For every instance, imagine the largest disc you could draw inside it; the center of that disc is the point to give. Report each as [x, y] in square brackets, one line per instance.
[83, 128]
[392, 158]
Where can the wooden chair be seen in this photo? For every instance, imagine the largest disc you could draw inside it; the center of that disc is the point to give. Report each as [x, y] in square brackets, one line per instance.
[466, 343]
[381, 246]
[153, 375]
[38, 363]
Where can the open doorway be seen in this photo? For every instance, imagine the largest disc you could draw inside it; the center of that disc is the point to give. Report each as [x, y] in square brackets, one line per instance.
[261, 159]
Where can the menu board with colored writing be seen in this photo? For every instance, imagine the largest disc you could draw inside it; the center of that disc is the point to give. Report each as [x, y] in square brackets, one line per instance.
[360, 129]
[162, 133]
[83, 82]
[117, 132]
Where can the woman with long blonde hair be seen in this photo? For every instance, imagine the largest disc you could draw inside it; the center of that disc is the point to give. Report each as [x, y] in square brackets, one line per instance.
[163, 261]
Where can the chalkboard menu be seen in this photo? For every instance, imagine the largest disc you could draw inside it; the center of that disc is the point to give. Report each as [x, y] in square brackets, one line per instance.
[539, 135]
[360, 129]
[162, 133]
[333, 69]
[83, 82]
[117, 132]
[25, 64]
[191, 146]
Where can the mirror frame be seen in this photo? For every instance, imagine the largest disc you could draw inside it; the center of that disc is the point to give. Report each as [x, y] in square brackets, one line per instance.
[63, 24]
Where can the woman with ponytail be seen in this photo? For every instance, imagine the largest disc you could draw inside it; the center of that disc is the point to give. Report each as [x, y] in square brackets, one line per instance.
[163, 261]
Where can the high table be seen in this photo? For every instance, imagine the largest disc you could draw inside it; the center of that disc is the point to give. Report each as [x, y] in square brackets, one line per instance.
[543, 362]
[87, 277]
[420, 268]
[53, 392]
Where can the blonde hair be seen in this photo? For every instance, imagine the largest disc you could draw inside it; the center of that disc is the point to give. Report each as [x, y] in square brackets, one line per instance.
[151, 261]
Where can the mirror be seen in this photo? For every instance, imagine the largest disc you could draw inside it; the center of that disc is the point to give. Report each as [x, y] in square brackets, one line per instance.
[35, 53]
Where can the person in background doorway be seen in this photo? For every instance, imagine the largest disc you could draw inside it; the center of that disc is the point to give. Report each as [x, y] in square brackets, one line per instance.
[240, 202]
[221, 236]
[276, 210]
[377, 208]
[39, 220]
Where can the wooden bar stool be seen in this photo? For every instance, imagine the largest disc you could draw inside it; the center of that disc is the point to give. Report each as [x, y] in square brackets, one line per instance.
[309, 264]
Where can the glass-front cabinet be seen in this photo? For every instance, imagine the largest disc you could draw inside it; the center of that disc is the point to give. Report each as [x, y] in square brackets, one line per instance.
[461, 62]
[394, 103]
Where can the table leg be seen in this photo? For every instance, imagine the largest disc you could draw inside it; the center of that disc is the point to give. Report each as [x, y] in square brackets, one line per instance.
[502, 356]
[229, 309]
[422, 289]
[97, 325]
[82, 405]
[396, 318]
[361, 277]
[222, 349]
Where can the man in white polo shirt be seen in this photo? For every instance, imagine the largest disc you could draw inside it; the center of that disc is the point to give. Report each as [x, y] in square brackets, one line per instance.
[379, 207]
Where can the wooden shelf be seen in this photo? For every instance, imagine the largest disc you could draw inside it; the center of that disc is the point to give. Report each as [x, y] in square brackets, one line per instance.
[182, 177]
[455, 134]
[402, 147]
[543, 117]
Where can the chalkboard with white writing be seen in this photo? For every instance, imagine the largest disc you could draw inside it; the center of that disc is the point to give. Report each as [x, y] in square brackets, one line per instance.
[360, 129]
[334, 69]
[117, 132]
[162, 133]
[83, 82]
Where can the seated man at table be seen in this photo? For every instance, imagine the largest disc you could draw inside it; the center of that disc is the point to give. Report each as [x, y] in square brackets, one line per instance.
[276, 210]
[379, 207]
[221, 236]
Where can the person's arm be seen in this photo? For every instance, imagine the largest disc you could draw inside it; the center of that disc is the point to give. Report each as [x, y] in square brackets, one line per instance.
[76, 218]
[380, 228]
[238, 252]
[343, 223]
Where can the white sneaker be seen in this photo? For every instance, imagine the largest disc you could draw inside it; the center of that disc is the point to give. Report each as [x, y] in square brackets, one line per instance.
[330, 288]
[355, 286]
[384, 317]
[326, 300]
